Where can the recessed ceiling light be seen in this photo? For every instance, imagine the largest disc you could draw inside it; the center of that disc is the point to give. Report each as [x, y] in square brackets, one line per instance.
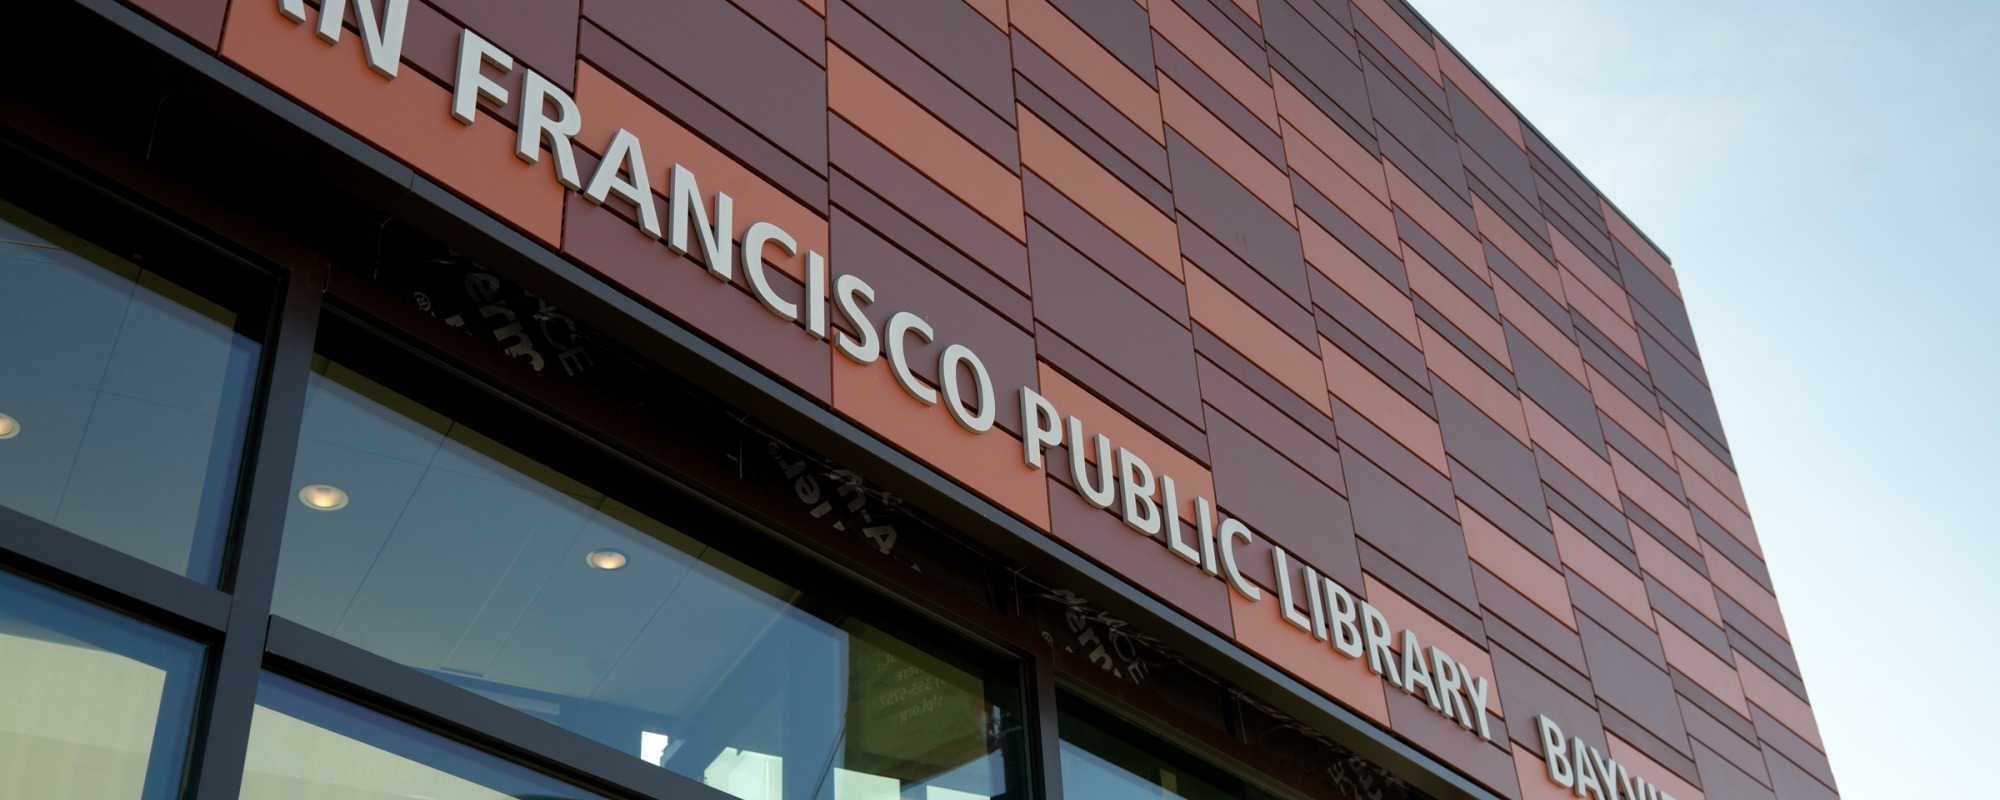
[607, 559]
[9, 427]
[321, 497]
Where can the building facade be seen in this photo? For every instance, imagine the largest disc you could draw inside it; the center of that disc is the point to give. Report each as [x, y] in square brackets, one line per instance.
[841, 400]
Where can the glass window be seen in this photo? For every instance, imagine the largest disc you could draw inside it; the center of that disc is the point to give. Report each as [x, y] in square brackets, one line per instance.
[305, 745]
[123, 396]
[421, 538]
[1105, 759]
[92, 705]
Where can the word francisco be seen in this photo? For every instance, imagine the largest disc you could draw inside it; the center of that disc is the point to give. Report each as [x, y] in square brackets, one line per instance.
[1148, 502]
[1577, 766]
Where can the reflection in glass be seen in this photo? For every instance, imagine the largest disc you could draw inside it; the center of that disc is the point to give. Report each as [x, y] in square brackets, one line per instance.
[1103, 759]
[125, 394]
[305, 745]
[92, 705]
[463, 558]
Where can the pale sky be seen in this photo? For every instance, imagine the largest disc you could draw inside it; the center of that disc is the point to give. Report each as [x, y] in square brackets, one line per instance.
[1824, 177]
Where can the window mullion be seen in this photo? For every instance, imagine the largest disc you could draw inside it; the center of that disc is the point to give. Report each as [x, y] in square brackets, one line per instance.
[217, 769]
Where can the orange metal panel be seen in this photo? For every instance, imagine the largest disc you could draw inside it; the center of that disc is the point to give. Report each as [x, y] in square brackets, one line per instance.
[1235, 322]
[1097, 191]
[1228, 150]
[878, 109]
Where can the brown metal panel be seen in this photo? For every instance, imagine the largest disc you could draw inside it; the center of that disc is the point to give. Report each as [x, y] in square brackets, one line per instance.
[1318, 211]
[1281, 502]
[1121, 392]
[1259, 172]
[1705, 464]
[1232, 112]
[1042, 82]
[615, 249]
[1071, 171]
[1711, 674]
[1641, 247]
[953, 38]
[1408, 36]
[1113, 324]
[871, 167]
[1238, 324]
[1519, 212]
[1721, 778]
[1240, 368]
[1465, 365]
[1642, 457]
[1401, 524]
[1530, 252]
[803, 24]
[1207, 255]
[992, 131]
[1355, 198]
[1616, 618]
[1077, 228]
[1393, 369]
[614, 106]
[853, 198]
[1121, 28]
[1234, 24]
[1646, 741]
[1385, 409]
[1553, 338]
[1531, 694]
[1545, 665]
[1084, 137]
[1319, 44]
[1499, 148]
[538, 32]
[1056, 35]
[1373, 444]
[1510, 616]
[886, 115]
[1671, 607]
[1526, 575]
[1432, 614]
[1212, 198]
[1249, 85]
[1629, 682]
[1680, 579]
[1797, 768]
[1487, 449]
[1190, 472]
[1760, 609]
[738, 64]
[805, 181]
[1307, 448]
[1742, 756]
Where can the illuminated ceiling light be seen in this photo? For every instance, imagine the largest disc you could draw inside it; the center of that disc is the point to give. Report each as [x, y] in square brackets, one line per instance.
[607, 559]
[9, 427]
[321, 497]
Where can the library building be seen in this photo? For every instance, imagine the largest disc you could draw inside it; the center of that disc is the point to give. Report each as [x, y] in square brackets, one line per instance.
[846, 400]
